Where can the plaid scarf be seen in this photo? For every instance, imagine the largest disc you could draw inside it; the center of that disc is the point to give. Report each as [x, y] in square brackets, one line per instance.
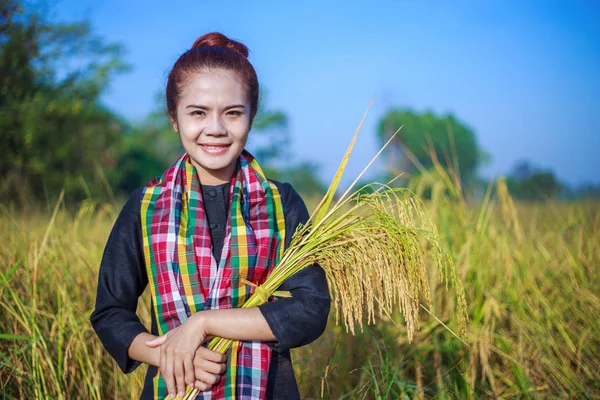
[185, 278]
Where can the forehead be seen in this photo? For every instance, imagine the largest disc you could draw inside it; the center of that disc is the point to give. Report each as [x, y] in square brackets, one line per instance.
[213, 87]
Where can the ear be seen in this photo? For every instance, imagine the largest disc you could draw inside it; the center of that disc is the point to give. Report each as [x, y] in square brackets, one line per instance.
[174, 123]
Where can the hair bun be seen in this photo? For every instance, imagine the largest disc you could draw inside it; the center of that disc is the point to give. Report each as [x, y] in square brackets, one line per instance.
[216, 39]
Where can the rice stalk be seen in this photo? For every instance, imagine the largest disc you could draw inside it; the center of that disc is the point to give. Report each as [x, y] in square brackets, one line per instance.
[508, 208]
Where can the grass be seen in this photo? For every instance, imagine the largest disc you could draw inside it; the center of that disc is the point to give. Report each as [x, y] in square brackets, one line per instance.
[530, 274]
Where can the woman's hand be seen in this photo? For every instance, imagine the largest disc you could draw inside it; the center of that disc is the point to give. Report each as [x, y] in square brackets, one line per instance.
[178, 349]
[183, 362]
[208, 367]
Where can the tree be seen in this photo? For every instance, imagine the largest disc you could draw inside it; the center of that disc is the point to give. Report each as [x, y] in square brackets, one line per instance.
[55, 132]
[270, 143]
[148, 148]
[270, 140]
[451, 140]
[303, 178]
[527, 182]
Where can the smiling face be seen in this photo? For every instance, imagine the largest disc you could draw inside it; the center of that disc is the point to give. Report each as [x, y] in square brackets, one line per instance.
[213, 120]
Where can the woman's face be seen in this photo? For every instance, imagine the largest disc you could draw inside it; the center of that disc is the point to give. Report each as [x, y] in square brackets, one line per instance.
[213, 121]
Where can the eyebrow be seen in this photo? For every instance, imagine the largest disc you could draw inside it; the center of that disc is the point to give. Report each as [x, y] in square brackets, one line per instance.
[197, 106]
[201, 107]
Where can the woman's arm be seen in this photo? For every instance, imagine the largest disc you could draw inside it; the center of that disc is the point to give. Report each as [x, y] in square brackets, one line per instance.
[121, 280]
[245, 324]
[298, 320]
[140, 351]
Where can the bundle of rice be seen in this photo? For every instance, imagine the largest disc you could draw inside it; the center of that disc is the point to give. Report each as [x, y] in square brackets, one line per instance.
[371, 243]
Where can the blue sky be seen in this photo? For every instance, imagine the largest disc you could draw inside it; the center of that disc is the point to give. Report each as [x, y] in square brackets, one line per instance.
[525, 75]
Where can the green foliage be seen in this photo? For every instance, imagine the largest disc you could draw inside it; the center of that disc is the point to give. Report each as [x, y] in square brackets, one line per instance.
[55, 132]
[148, 149]
[424, 135]
[270, 143]
[529, 183]
[269, 140]
[302, 176]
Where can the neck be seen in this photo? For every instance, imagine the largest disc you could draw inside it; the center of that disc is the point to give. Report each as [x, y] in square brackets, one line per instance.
[214, 177]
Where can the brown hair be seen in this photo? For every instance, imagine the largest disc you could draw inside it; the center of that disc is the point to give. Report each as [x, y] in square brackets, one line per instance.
[213, 51]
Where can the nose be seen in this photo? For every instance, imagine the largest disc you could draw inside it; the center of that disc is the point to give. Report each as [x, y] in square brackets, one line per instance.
[215, 126]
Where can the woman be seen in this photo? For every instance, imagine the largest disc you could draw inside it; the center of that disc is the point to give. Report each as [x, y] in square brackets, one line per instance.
[202, 236]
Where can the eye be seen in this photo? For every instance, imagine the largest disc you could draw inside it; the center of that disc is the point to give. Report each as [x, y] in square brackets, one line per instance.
[234, 113]
[197, 112]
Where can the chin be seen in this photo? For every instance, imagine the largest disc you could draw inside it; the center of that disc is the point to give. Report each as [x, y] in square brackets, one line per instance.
[214, 165]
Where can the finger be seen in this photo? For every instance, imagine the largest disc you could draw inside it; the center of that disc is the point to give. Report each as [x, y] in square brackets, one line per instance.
[167, 373]
[211, 355]
[207, 377]
[157, 341]
[209, 366]
[202, 386]
[179, 377]
[188, 365]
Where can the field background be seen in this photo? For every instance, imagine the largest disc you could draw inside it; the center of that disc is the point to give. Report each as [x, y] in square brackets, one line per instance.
[530, 271]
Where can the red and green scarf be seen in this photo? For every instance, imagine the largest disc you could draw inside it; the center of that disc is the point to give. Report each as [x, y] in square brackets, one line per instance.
[184, 276]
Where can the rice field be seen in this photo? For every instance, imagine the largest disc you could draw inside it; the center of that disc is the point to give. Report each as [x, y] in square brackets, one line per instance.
[529, 270]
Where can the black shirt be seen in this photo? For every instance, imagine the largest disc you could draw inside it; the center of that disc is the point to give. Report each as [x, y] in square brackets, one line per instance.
[294, 321]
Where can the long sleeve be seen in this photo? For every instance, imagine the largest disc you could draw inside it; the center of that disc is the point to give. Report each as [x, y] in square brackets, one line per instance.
[121, 280]
[302, 318]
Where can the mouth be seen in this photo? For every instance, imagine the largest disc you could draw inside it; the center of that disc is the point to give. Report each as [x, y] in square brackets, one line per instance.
[214, 148]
